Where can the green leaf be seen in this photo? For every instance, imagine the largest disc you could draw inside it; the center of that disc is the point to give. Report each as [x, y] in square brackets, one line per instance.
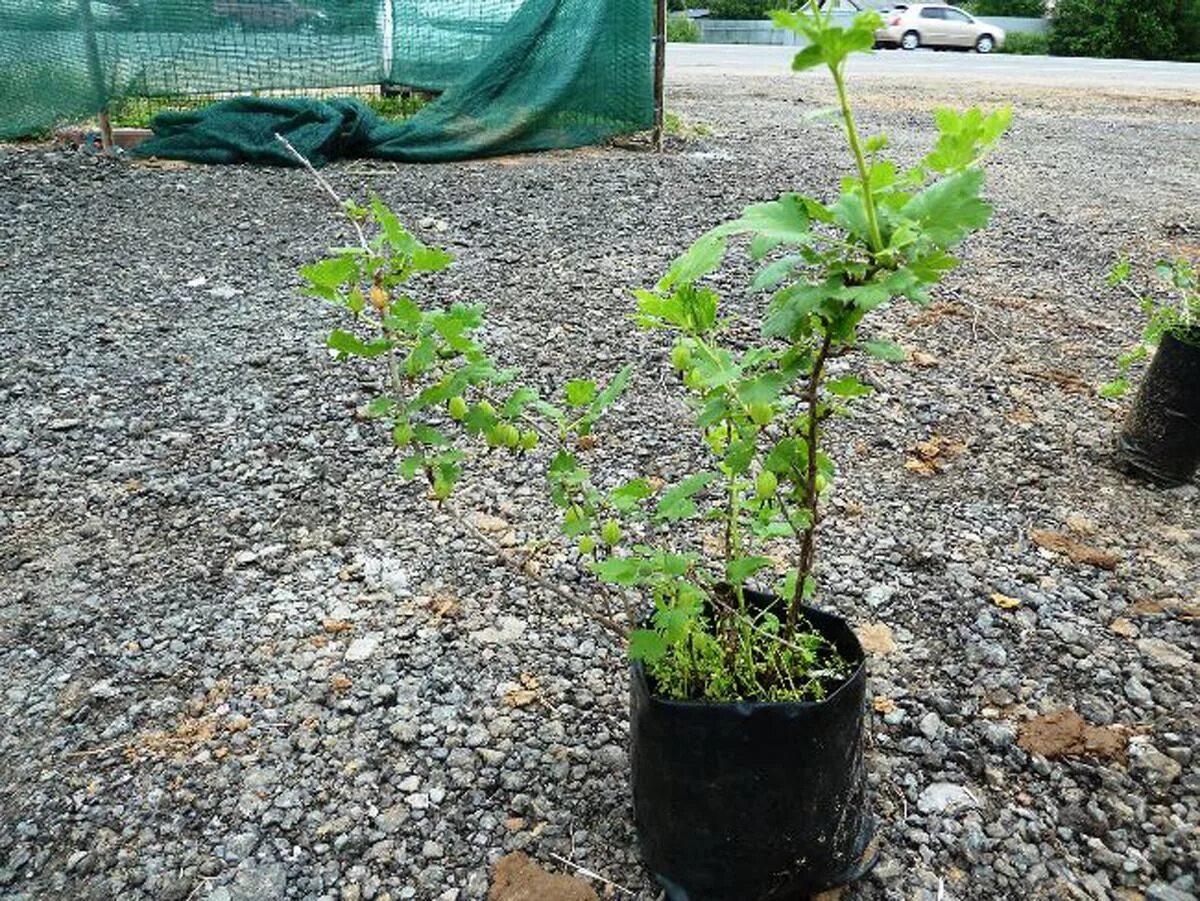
[411, 465]
[403, 316]
[580, 392]
[789, 309]
[628, 496]
[883, 349]
[950, 209]
[696, 262]
[327, 276]
[430, 259]
[742, 568]
[848, 386]
[378, 408]
[739, 455]
[518, 401]
[606, 398]
[808, 58]
[421, 358]
[351, 345]
[763, 390]
[676, 503]
[624, 571]
[646, 645]
[1114, 389]
[785, 221]
[429, 435]
[775, 272]
[393, 231]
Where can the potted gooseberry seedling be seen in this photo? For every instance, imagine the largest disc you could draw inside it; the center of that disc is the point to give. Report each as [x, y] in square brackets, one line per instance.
[1161, 436]
[747, 706]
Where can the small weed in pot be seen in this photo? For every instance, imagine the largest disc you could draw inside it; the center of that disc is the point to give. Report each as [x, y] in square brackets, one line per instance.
[1161, 436]
[747, 707]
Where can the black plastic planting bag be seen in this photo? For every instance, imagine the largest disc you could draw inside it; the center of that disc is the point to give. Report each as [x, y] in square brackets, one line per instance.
[1161, 438]
[754, 801]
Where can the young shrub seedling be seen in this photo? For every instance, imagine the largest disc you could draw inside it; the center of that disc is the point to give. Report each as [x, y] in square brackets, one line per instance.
[692, 548]
[1179, 317]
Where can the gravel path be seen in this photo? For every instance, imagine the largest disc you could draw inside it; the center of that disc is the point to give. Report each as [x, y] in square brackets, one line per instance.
[239, 661]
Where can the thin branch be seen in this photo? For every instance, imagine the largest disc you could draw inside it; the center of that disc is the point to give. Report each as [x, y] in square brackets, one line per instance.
[326, 187]
[582, 606]
[591, 874]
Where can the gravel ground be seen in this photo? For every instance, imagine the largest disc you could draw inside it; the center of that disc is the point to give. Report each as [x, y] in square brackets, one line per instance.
[240, 661]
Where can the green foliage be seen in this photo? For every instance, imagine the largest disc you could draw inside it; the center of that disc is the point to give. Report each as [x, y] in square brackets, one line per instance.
[1179, 316]
[436, 371]
[682, 30]
[750, 512]
[1022, 44]
[762, 410]
[742, 9]
[1020, 8]
[1127, 29]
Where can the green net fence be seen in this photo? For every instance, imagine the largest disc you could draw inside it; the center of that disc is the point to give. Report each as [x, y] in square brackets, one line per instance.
[510, 75]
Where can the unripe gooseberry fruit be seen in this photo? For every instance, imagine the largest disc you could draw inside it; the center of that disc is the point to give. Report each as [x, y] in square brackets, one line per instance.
[693, 380]
[402, 435]
[484, 407]
[587, 545]
[611, 533]
[509, 436]
[457, 408]
[761, 414]
[681, 357]
[821, 483]
[765, 485]
[529, 440]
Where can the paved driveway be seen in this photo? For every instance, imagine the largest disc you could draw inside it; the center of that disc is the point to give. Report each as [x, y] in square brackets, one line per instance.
[685, 60]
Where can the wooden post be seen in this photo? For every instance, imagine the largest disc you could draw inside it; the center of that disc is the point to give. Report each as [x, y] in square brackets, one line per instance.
[92, 49]
[660, 71]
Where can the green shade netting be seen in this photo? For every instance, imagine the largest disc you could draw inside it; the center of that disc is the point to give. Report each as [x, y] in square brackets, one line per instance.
[514, 76]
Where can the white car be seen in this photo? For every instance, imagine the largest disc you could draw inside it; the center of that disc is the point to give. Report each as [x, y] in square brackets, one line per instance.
[936, 25]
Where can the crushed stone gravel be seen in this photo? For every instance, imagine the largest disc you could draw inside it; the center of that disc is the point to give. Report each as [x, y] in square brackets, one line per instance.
[241, 661]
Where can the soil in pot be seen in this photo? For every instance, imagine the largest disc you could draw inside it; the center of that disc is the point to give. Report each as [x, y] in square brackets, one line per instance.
[1161, 437]
[754, 801]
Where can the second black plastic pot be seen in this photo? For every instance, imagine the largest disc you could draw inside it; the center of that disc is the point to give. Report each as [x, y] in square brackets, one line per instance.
[754, 801]
[1161, 437]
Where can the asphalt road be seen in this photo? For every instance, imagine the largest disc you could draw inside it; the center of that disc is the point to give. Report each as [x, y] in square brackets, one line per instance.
[700, 60]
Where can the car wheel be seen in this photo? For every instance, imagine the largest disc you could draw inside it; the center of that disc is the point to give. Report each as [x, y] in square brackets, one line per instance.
[985, 44]
[910, 41]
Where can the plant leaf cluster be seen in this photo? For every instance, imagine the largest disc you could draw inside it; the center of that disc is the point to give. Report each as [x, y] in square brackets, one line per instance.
[750, 514]
[1179, 316]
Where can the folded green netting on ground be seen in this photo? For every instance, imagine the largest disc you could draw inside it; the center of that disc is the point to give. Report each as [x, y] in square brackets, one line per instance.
[513, 75]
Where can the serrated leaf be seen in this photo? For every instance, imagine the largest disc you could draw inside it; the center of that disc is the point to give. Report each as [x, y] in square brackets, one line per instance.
[411, 465]
[950, 209]
[627, 496]
[346, 343]
[429, 435]
[775, 272]
[646, 645]
[580, 392]
[883, 349]
[625, 571]
[676, 503]
[742, 568]
[327, 276]
[518, 401]
[697, 261]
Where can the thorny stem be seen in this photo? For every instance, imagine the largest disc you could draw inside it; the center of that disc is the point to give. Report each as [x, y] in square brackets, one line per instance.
[811, 495]
[396, 379]
[326, 187]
